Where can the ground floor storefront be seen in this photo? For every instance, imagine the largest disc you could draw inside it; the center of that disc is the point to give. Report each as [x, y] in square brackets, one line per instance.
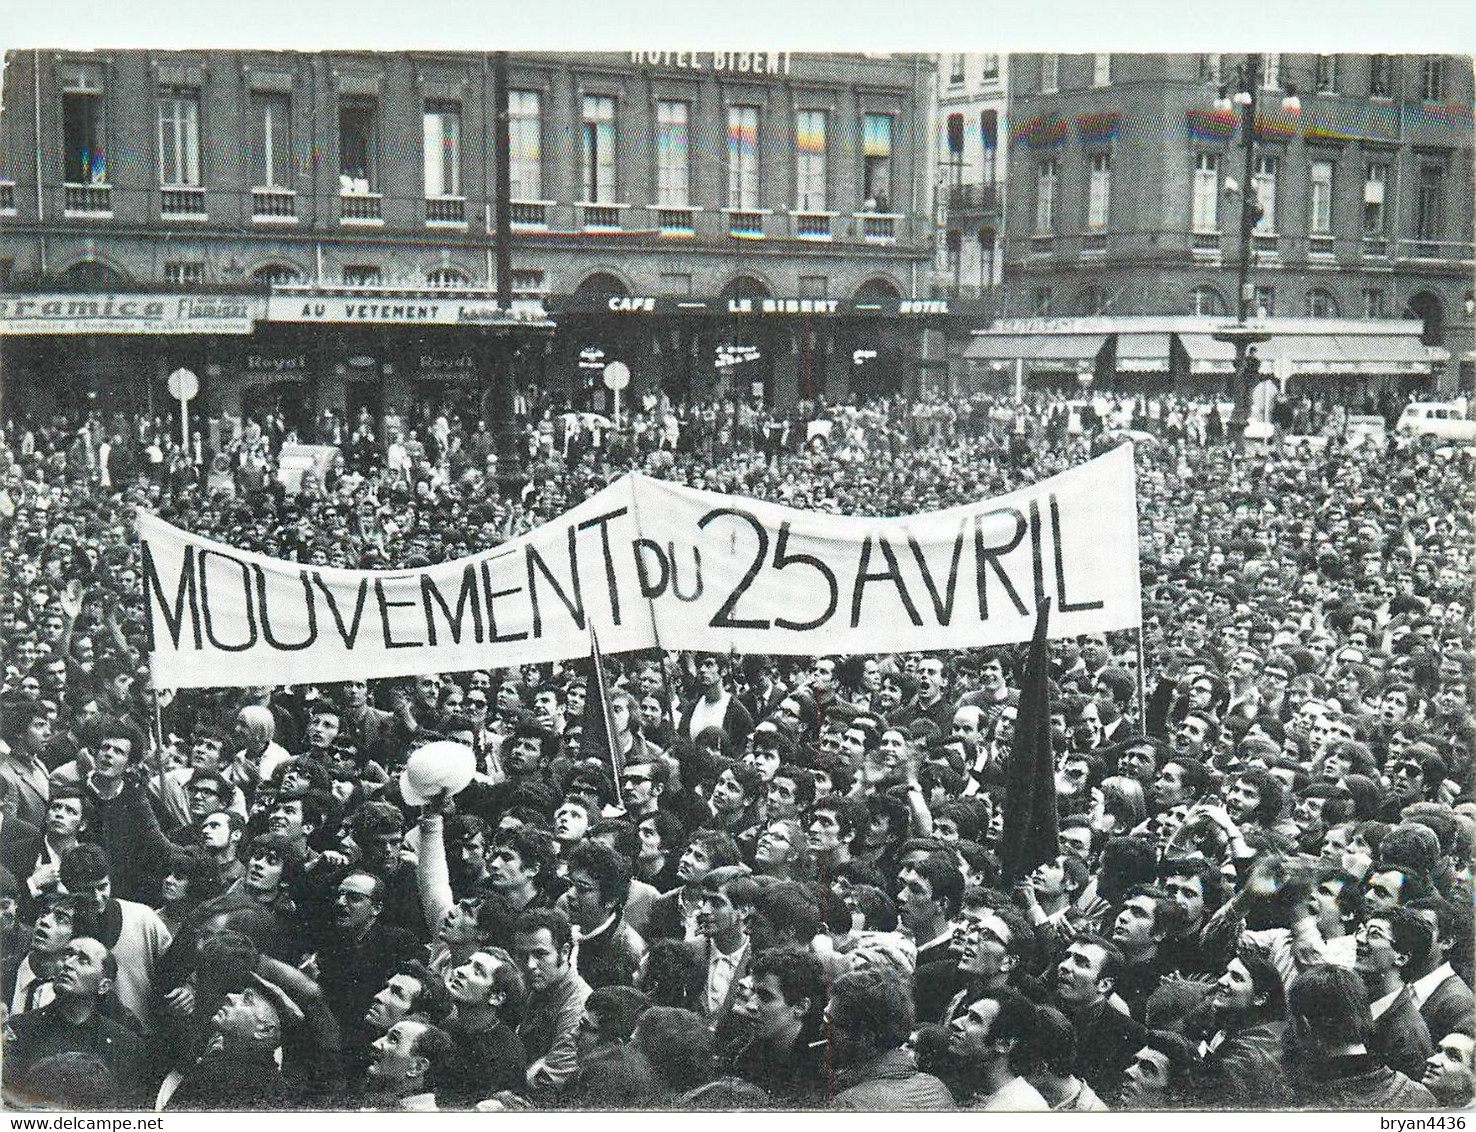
[1355, 363]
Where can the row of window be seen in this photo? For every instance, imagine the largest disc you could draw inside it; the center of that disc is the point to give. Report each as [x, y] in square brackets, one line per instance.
[988, 71]
[1207, 193]
[1326, 78]
[272, 164]
[1207, 300]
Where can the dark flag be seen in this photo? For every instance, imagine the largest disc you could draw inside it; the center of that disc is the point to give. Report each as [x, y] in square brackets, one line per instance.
[1030, 835]
[599, 724]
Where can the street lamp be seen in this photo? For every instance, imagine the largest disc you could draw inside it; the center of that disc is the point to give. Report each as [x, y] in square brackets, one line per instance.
[1242, 335]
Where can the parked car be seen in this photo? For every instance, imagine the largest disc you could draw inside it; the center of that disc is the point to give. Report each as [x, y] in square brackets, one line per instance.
[1441, 419]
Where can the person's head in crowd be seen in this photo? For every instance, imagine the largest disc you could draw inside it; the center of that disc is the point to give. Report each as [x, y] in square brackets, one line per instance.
[706, 850]
[1182, 781]
[1077, 837]
[1117, 806]
[869, 1013]
[678, 1044]
[409, 1059]
[543, 944]
[599, 881]
[1140, 757]
[1329, 1010]
[1249, 993]
[609, 1018]
[1253, 797]
[1196, 886]
[1058, 881]
[86, 874]
[928, 894]
[413, 989]
[779, 996]
[660, 834]
[1450, 1071]
[378, 830]
[737, 791]
[1161, 1073]
[573, 819]
[520, 859]
[529, 749]
[1087, 973]
[1148, 917]
[1126, 862]
[1392, 943]
[834, 826]
[487, 984]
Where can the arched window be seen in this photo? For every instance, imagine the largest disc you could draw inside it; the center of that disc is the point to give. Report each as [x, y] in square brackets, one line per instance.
[92, 275]
[1427, 308]
[446, 277]
[276, 275]
[1206, 300]
[1321, 304]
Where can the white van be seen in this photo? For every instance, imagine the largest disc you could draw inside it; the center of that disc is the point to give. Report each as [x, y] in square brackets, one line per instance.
[1442, 419]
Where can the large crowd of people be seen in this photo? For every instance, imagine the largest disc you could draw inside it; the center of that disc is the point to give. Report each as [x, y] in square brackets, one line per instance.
[793, 895]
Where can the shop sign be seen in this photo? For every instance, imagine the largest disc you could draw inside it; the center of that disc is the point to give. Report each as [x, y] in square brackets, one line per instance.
[437, 365]
[417, 310]
[782, 306]
[128, 314]
[732, 355]
[734, 62]
[632, 304]
[267, 363]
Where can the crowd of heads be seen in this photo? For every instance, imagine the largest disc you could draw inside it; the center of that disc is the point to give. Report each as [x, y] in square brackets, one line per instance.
[787, 889]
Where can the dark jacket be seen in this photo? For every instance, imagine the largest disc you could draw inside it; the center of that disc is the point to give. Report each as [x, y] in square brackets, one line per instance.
[39, 1034]
[1360, 1083]
[231, 1082]
[1105, 1043]
[1448, 1008]
[487, 1062]
[891, 1083]
[1400, 1038]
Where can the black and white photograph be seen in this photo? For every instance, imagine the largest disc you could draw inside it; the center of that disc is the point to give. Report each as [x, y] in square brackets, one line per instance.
[728, 579]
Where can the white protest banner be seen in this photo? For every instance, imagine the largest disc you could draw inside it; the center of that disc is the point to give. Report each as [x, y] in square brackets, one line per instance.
[650, 563]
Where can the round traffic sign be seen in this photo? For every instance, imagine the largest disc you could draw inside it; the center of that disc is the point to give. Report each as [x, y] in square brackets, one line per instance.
[617, 376]
[183, 384]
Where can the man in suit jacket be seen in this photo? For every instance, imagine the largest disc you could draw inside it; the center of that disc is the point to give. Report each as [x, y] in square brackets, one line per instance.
[723, 949]
[368, 728]
[1388, 943]
[21, 764]
[1444, 1000]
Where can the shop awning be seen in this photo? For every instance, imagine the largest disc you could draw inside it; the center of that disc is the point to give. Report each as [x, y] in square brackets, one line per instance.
[1207, 355]
[1369, 355]
[1142, 353]
[1036, 347]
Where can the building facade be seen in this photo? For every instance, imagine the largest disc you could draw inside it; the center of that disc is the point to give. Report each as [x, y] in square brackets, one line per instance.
[317, 231]
[1124, 191]
[972, 173]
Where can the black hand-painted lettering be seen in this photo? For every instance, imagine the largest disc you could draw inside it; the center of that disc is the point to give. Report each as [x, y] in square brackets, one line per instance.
[783, 558]
[723, 618]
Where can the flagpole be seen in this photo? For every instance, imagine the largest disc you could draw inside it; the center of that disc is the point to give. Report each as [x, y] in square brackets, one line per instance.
[1142, 684]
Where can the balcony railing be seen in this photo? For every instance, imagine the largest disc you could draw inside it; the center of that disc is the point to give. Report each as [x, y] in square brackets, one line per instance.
[878, 228]
[746, 222]
[1321, 246]
[360, 208]
[974, 198]
[274, 206]
[1205, 243]
[600, 217]
[1266, 245]
[445, 210]
[812, 225]
[89, 200]
[1042, 243]
[529, 213]
[1376, 246]
[676, 220]
[1094, 243]
[182, 201]
[1445, 251]
[7, 198]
